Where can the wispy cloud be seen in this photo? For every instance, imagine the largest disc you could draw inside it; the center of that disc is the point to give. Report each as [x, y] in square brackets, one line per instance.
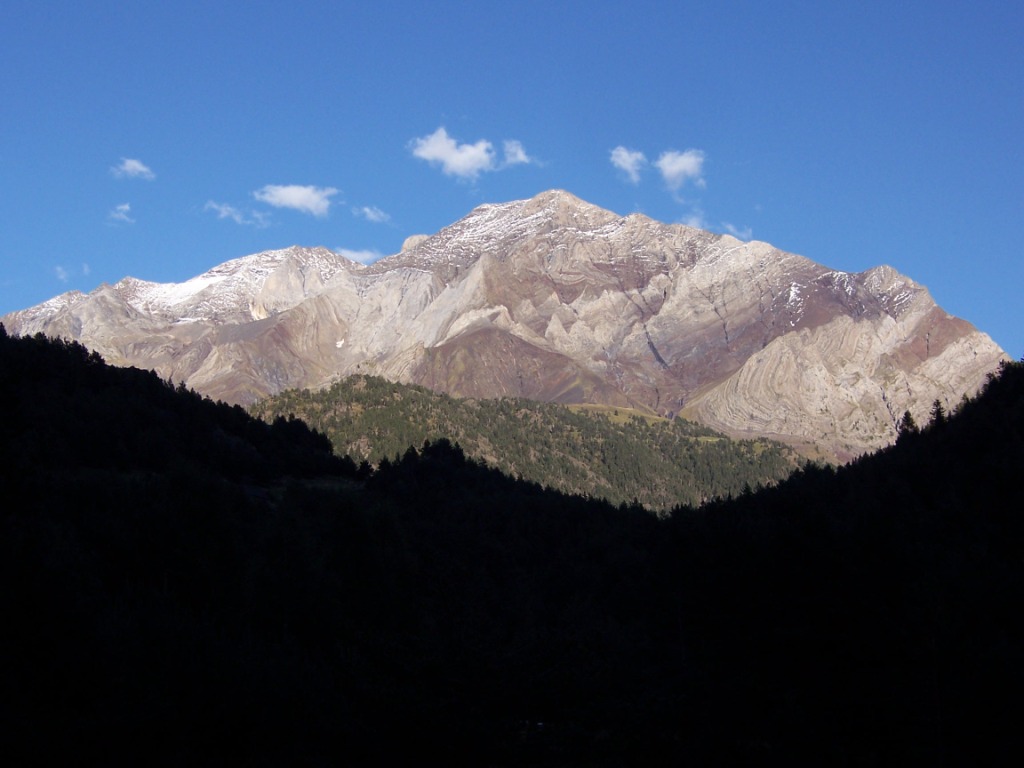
[130, 168]
[629, 161]
[679, 167]
[122, 213]
[363, 257]
[467, 161]
[515, 154]
[740, 233]
[64, 274]
[371, 213]
[307, 199]
[695, 218]
[225, 211]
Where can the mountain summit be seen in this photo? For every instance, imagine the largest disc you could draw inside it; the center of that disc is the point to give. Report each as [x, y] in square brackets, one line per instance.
[555, 299]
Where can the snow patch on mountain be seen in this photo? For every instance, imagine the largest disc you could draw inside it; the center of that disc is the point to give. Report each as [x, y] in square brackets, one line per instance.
[554, 297]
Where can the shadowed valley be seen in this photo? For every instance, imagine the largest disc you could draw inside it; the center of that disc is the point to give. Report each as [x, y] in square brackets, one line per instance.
[183, 583]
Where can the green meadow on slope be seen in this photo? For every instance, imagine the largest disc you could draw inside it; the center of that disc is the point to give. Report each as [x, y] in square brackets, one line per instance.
[615, 454]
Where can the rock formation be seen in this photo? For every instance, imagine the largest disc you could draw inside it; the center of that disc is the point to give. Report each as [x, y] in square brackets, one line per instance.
[555, 299]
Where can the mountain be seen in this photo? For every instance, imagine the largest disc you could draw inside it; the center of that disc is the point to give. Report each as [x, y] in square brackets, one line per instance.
[555, 299]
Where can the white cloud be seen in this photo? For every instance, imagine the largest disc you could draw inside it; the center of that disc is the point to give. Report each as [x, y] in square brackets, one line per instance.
[371, 213]
[744, 233]
[225, 211]
[312, 200]
[466, 161]
[61, 273]
[86, 269]
[130, 168]
[363, 257]
[122, 213]
[629, 161]
[515, 154]
[679, 167]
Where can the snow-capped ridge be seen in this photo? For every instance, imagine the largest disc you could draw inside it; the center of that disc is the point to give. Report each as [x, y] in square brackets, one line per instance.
[229, 289]
[553, 298]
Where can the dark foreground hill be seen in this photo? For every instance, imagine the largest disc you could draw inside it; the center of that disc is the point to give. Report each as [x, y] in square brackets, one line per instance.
[162, 606]
[614, 454]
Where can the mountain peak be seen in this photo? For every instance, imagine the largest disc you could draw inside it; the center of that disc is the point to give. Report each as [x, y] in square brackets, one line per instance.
[553, 298]
[565, 209]
[494, 228]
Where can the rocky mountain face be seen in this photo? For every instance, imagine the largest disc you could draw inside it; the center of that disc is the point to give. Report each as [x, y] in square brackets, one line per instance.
[555, 299]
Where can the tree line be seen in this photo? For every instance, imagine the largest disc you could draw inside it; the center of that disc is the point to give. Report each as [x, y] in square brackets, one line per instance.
[617, 455]
[163, 603]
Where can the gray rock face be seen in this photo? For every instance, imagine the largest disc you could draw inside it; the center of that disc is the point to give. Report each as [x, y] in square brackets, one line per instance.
[555, 299]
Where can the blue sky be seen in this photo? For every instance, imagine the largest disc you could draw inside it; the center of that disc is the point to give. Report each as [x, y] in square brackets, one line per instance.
[157, 140]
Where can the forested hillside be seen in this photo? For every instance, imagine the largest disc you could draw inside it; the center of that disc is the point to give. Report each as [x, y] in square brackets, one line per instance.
[183, 584]
[617, 455]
